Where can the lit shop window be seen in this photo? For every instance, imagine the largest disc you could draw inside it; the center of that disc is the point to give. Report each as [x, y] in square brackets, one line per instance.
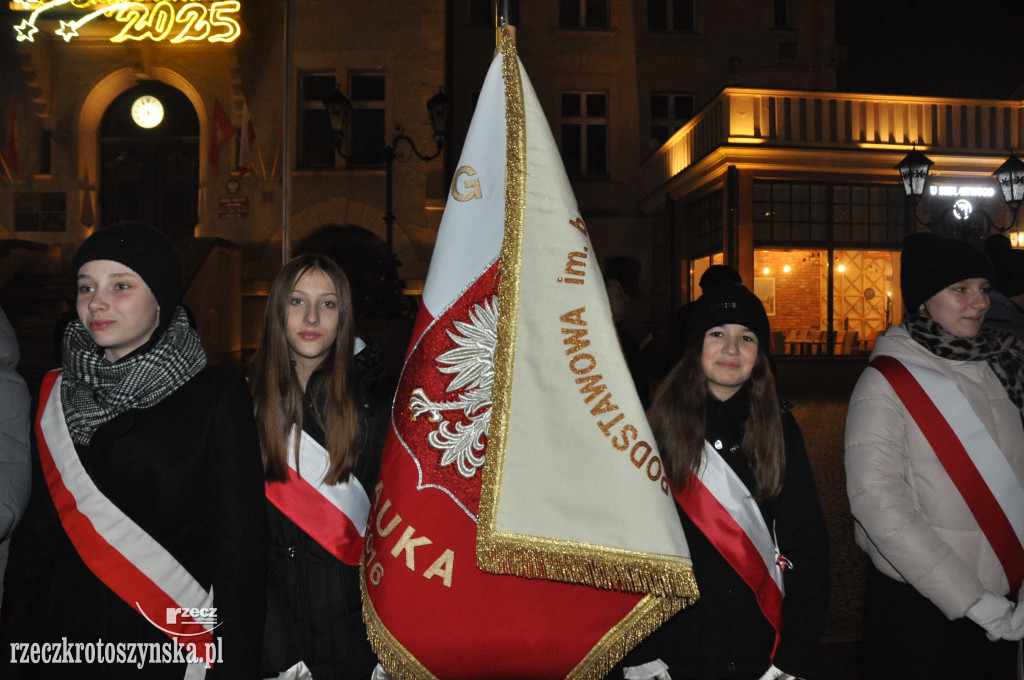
[793, 285]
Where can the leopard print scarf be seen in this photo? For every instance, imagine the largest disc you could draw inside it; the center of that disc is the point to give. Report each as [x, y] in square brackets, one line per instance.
[1003, 350]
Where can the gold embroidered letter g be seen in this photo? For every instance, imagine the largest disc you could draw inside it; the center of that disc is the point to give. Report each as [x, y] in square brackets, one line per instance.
[472, 185]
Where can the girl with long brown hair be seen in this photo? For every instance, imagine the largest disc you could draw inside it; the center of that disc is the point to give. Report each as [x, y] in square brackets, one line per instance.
[321, 425]
[748, 504]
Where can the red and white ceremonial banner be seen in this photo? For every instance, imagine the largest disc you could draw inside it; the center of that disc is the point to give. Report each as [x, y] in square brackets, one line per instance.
[971, 458]
[334, 515]
[521, 526]
[117, 550]
[722, 507]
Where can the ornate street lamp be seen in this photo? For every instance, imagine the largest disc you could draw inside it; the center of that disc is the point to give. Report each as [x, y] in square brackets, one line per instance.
[914, 173]
[1011, 181]
[339, 109]
[437, 108]
[963, 218]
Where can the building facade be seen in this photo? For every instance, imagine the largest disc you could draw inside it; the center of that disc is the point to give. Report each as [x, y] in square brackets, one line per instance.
[693, 131]
[207, 119]
[798, 191]
[617, 78]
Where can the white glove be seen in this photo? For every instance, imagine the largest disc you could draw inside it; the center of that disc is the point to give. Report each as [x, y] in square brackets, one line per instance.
[652, 670]
[995, 614]
[297, 672]
[774, 673]
[1017, 620]
[379, 674]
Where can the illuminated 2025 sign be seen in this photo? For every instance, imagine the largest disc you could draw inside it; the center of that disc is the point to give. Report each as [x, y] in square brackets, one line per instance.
[176, 21]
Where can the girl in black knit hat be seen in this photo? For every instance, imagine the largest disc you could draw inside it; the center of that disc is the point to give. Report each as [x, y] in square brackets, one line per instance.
[748, 504]
[935, 475]
[143, 528]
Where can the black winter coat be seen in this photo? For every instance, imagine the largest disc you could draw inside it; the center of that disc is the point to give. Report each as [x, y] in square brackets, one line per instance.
[314, 606]
[724, 634]
[188, 471]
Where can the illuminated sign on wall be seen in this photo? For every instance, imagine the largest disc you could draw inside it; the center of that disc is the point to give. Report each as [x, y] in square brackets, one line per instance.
[956, 191]
[176, 21]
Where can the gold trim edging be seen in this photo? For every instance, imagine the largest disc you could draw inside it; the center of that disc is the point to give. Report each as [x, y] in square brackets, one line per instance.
[396, 659]
[533, 556]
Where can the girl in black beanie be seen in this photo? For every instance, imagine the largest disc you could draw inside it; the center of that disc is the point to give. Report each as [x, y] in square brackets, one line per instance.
[142, 550]
[748, 504]
[935, 475]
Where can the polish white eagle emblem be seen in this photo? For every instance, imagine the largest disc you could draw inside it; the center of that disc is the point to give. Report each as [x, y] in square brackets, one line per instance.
[463, 441]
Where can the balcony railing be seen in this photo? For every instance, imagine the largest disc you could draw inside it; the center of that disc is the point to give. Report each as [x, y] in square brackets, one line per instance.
[838, 121]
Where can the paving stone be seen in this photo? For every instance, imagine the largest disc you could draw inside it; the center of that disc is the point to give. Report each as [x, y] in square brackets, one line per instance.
[820, 391]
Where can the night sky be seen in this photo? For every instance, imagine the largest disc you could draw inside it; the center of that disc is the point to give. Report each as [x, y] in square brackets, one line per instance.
[970, 49]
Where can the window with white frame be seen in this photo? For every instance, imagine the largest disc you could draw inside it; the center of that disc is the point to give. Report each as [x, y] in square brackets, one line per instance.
[583, 14]
[670, 15]
[316, 140]
[585, 133]
[367, 92]
[669, 112]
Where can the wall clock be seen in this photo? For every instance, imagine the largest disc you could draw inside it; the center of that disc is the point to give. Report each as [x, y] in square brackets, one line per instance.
[147, 111]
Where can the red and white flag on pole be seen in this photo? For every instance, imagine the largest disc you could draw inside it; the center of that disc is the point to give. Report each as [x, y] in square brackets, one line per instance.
[521, 526]
[221, 131]
[246, 137]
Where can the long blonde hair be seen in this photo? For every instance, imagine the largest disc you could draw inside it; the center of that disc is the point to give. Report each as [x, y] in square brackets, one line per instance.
[678, 415]
[276, 391]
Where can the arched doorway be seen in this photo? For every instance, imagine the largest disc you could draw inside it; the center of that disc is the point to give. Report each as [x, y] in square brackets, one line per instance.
[150, 174]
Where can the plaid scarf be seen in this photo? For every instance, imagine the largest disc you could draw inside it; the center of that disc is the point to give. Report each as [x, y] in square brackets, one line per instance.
[94, 390]
[1003, 350]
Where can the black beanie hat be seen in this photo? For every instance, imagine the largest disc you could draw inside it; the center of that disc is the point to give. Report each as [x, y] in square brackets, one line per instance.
[143, 249]
[717, 273]
[929, 263]
[727, 302]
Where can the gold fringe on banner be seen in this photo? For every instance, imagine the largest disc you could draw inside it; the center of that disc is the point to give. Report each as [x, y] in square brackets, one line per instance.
[643, 620]
[597, 566]
[533, 556]
[669, 581]
[396, 659]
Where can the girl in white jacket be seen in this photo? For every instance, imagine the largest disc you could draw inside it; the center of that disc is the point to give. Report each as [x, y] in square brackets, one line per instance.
[935, 475]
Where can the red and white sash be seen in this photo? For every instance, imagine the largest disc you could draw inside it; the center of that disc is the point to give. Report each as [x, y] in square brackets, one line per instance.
[720, 504]
[118, 552]
[971, 458]
[334, 515]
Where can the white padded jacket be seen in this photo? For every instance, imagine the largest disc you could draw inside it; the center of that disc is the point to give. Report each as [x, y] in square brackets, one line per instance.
[909, 516]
